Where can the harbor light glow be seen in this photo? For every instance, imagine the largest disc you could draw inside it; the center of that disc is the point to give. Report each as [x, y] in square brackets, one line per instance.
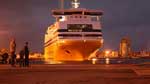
[94, 60]
[107, 53]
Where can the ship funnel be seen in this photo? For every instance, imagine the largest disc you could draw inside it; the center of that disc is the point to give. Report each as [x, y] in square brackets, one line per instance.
[75, 3]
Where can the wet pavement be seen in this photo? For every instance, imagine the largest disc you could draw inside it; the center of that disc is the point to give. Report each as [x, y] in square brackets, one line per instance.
[75, 74]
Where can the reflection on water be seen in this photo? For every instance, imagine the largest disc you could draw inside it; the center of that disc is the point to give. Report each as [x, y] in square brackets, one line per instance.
[102, 61]
[123, 60]
[94, 61]
[107, 60]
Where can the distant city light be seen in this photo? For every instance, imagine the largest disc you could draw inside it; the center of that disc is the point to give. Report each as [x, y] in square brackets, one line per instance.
[107, 52]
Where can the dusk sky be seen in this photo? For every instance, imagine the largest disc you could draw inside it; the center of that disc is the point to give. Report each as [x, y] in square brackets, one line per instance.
[27, 20]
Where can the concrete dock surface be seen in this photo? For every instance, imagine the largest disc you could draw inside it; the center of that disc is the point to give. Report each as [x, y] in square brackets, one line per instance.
[76, 74]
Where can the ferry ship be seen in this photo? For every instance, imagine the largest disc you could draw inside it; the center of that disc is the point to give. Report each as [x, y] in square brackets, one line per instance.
[75, 35]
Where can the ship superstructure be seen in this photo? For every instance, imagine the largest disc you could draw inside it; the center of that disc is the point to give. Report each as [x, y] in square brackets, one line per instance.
[75, 34]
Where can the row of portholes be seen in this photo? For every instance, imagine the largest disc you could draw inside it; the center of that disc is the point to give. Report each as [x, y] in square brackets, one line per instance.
[78, 16]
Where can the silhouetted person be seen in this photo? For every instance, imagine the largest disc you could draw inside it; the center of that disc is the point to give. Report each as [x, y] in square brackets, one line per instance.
[12, 51]
[26, 52]
[21, 58]
[5, 58]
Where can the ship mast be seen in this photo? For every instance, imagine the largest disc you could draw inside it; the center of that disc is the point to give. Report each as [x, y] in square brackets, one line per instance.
[75, 4]
[62, 4]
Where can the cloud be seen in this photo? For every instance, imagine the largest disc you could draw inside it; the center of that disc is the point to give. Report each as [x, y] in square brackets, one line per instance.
[28, 20]
[3, 32]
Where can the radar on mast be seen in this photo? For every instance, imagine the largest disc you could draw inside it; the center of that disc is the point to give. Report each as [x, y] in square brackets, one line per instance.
[75, 4]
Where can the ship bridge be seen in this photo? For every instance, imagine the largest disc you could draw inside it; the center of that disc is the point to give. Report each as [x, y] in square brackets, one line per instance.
[80, 11]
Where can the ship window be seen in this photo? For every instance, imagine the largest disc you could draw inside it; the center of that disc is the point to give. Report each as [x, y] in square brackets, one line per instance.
[71, 16]
[93, 13]
[70, 35]
[79, 27]
[95, 18]
[76, 16]
[93, 35]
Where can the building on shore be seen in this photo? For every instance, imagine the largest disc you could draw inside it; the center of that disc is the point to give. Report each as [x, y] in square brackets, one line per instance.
[125, 47]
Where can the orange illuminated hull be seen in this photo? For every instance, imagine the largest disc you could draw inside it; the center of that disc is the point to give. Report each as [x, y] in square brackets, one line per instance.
[71, 50]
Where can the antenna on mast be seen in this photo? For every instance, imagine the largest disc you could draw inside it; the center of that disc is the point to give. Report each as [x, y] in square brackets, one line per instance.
[75, 4]
[62, 4]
